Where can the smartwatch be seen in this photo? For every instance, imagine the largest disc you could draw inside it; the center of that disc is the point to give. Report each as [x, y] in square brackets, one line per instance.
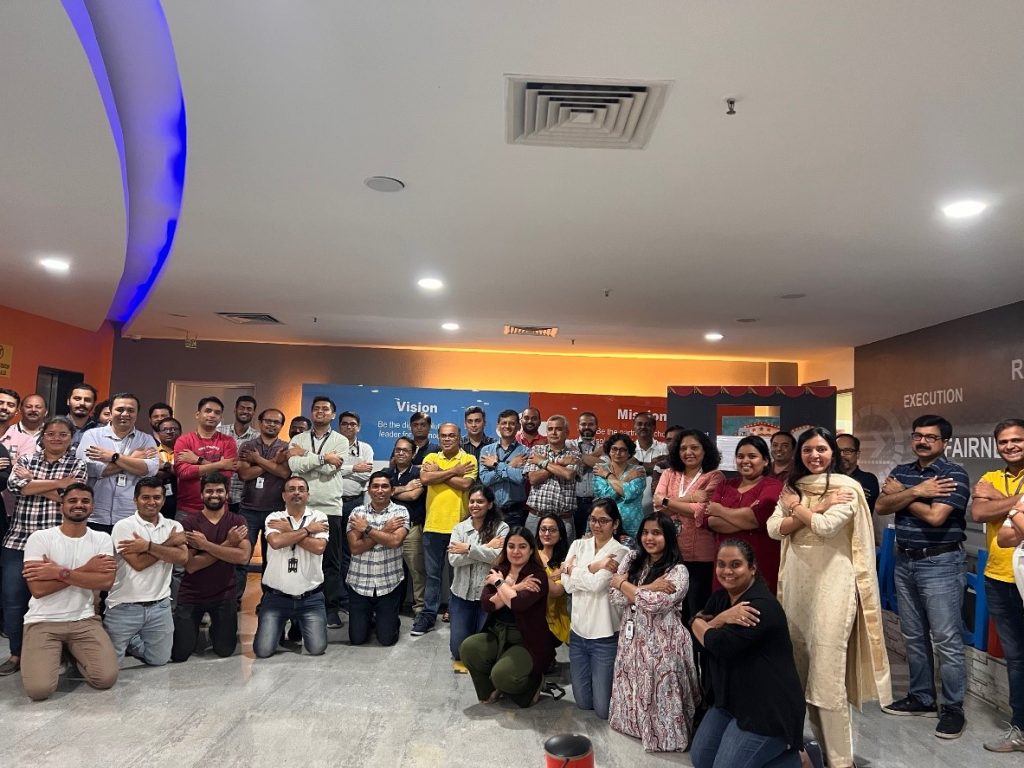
[114, 457]
[498, 583]
[664, 501]
[64, 573]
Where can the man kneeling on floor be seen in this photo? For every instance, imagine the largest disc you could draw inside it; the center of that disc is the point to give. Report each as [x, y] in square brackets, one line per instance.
[375, 535]
[63, 566]
[138, 616]
[293, 577]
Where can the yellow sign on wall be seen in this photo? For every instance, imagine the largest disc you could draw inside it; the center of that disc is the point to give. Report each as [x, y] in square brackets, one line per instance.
[6, 356]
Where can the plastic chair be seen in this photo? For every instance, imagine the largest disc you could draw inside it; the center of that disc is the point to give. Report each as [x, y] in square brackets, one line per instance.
[978, 635]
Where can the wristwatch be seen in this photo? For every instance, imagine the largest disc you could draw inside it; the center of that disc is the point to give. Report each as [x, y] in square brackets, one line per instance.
[64, 573]
[114, 457]
[664, 501]
[498, 583]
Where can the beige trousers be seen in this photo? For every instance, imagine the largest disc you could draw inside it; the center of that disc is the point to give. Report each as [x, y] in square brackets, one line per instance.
[834, 731]
[86, 641]
[412, 553]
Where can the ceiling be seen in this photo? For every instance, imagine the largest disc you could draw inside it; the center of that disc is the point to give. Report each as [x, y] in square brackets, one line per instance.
[854, 123]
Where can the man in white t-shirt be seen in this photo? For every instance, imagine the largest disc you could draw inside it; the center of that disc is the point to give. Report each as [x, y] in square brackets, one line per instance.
[648, 451]
[138, 616]
[293, 579]
[63, 566]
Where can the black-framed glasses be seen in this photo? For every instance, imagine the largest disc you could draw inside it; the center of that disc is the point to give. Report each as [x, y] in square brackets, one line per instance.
[848, 451]
[547, 529]
[600, 520]
[930, 439]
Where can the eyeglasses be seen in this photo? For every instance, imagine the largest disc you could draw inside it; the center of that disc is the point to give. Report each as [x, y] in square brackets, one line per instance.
[546, 529]
[930, 439]
[403, 450]
[600, 520]
[618, 449]
[350, 423]
[848, 451]
[169, 430]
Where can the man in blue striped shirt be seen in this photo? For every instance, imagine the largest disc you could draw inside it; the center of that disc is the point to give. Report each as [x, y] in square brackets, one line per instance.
[929, 498]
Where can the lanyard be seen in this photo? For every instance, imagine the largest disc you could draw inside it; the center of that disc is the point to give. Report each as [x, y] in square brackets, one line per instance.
[683, 491]
[1006, 485]
[508, 453]
[302, 524]
[312, 442]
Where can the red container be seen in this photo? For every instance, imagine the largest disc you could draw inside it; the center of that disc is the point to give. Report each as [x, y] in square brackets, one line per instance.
[568, 750]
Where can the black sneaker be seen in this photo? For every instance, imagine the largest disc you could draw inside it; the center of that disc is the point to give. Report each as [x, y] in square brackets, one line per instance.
[421, 626]
[334, 620]
[951, 723]
[911, 705]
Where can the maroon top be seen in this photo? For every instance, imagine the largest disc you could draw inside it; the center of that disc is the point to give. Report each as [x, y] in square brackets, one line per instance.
[217, 581]
[530, 610]
[761, 498]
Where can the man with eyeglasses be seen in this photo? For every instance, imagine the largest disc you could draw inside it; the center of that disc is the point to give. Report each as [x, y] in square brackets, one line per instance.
[167, 432]
[448, 474]
[263, 468]
[408, 490]
[849, 455]
[116, 455]
[318, 456]
[929, 498]
[37, 482]
[242, 431]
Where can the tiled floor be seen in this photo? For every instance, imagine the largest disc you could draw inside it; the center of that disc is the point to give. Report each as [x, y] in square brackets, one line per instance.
[399, 706]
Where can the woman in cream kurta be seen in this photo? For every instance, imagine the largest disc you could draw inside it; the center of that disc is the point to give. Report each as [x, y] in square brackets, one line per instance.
[828, 589]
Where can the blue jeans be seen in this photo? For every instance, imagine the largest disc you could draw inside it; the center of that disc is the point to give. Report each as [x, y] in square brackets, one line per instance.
[467, 618]
[15, 596]
[435, 555]
[276, 608]
[145, 629]
[592, 665]
[930, 595]
[1007, 613]
[720, 743]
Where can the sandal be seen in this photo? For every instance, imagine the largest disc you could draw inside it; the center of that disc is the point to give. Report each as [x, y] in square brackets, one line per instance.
[445, 617]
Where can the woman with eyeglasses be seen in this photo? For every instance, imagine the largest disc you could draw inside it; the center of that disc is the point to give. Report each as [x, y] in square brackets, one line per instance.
[511, 654]
[740, 506]
[554, 546]
[683, 493]
[655, 689]
[36, 481]
[475, 545]
[619, 476]
[828, 588]
[593, 639]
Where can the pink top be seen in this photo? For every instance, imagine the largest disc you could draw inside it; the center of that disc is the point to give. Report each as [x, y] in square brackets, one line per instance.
[696, 540]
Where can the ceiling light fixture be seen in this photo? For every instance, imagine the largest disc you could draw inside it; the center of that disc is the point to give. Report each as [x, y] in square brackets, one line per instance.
[713, 336]
[430, 284]
[964, 209]
[384, 184]
[55, 265]
[792, 296]
[450, 326]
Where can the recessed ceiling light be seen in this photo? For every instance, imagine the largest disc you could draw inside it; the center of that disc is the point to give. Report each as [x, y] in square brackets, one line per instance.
[792, 295]
[964, 209]
[55, 265]
[450, 326]
[430, 284]
[713, 336]
[384, 184]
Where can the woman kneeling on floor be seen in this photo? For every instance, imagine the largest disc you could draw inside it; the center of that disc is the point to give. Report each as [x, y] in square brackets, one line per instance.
[512, 653]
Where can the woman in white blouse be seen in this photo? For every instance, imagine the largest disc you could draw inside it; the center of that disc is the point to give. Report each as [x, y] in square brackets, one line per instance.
[593, 640]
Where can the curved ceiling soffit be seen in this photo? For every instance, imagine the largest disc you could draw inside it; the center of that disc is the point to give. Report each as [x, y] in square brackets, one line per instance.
[129, 48]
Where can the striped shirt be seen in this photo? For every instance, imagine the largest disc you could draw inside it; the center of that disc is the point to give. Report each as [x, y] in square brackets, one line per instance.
[377, 571]
[914, 533]
[237, 483]
[37, 512]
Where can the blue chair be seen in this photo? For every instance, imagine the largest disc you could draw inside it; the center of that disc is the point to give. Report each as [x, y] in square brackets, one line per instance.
[978, 636]
[887, 569]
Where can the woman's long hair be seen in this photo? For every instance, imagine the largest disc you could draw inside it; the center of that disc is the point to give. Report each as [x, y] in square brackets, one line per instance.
[524, 533]
[669, 558]
[492, 518]
[800, 470]
[561, 548]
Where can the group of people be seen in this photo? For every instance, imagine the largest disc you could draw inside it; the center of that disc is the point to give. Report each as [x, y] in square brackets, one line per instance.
[700, 609]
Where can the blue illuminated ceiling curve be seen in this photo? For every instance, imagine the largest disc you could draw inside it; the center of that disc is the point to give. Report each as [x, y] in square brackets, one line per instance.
[129, 48]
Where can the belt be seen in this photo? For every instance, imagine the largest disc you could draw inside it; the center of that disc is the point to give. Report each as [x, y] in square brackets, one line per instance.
[514, 506]
[353, 497]
[148, 603]
[923, 552]
[303, 596]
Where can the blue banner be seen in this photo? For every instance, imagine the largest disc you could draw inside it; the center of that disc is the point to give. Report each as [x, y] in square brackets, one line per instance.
[384, 411]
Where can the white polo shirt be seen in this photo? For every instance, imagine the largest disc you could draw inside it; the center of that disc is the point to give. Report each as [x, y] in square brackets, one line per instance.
[310, 573]
[153, 583]
[71, 603]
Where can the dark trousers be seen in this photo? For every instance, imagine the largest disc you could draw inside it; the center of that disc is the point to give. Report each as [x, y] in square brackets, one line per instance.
[581, 517]
[346, 553]
[15, 596]
[333, 586]
[381, 609]
[254, 523]
[223, 628]
[515, 513]
[1007, 613]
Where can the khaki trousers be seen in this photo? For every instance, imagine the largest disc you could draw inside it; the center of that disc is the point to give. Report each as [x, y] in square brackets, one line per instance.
[834, 731]
[87, 642]
[412, 553]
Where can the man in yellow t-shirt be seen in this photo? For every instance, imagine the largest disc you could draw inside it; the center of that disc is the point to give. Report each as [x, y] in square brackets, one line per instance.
[448, 475]
[994, 497]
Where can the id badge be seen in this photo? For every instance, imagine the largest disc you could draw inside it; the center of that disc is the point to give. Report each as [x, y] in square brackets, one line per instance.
[259, 483]
[293, 565]
[168, 489]
[122, 480]
[629, 630]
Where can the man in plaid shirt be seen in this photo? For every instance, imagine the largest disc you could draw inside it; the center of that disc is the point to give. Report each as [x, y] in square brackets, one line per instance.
[551, 469]
[37, 482]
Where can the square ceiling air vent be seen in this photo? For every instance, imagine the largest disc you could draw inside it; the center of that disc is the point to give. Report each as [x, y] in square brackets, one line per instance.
[531, 330]
[250, 318]
[556, 112]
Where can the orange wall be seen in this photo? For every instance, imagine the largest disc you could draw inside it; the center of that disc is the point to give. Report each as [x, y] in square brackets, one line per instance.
[41, 342]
